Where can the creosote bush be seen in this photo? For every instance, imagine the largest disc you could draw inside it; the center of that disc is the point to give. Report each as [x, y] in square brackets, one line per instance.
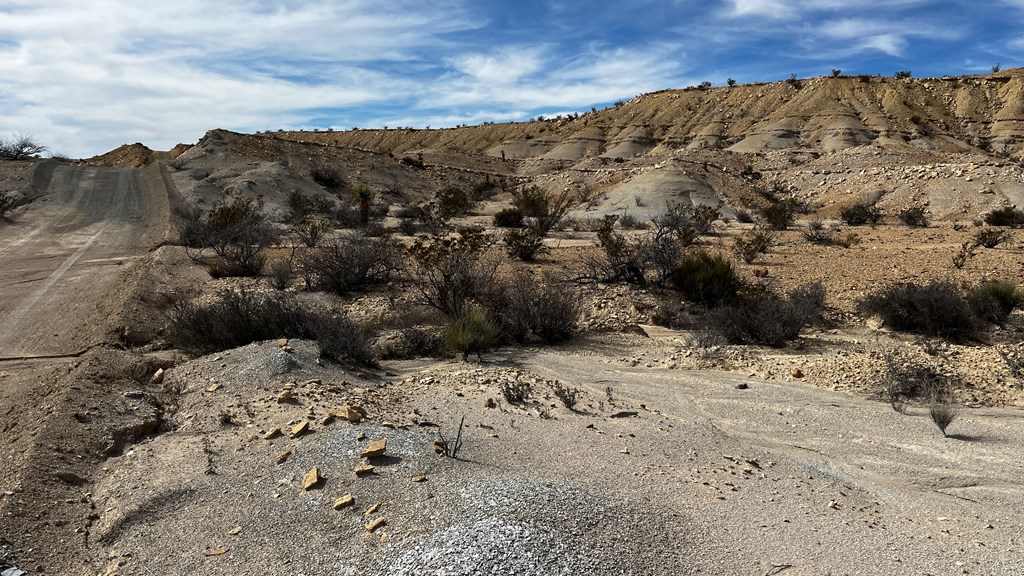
[509, 218]
[754, 242]
[705, 278]
[516, 392]
[525, 244]
[991, 237]
[568, 396]
[449, 272]
[236, 232]
[915, 217]
[525, 307]
[778, 215]
[235, 318]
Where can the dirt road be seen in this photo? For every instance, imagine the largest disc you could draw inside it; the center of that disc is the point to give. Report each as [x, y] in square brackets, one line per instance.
[61, 256]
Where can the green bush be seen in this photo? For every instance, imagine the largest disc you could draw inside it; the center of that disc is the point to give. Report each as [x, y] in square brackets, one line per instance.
[526, 307]
[329, 177]
[705, 278]
[995, 300]
[932, 309]
[1006, 216]
[472, 332]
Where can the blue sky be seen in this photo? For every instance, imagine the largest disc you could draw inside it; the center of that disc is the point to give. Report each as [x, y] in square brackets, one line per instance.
[85, 76]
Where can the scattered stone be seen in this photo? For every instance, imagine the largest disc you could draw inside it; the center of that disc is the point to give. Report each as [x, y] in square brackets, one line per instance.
[329, 419]
[344, 501]
[363, 469]
[283, 456]
[374, 524]
[626, 414]
[286, 395]
[796, 372]
[372, 509]
[158, 376]
[70, 478]
[311, 479]
[282, 342]
[213, 387]
[217, 551]
[272, 433]
[417, 479]
[375, 449]
[299, 429]
[490, 403]
[235, 531]
[353, 414]
[361, 436]
[439, 446]
[287, 349]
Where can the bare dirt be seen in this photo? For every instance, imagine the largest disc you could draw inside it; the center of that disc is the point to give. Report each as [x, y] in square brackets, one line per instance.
[677, 458]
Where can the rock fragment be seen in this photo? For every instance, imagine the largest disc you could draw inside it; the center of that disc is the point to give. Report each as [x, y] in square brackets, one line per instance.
[311, 479]
[344, 501]
[299, 429]
[375, 449]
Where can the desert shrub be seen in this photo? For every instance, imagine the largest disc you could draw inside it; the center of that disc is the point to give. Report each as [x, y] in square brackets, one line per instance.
[449, 272]
[860, 214]
[705, 278]
[349, 264]
[236, 232]
[545, 209]
[509, 218]
[991, 237]
[346, 215]
[757, 240]
[943, 410]
[408, 226]
[414, 162]
[965, 253]
[516, 392]
[311, 230]
[20, 146]
[280, 273]
[472, 332]
[915, 217]
[234, 318]
[1006, 216]
[6, 204]
[329, 177]
[568, 396]
[848, 240]
[744, 216]
[629, 222]
[778, 215]
[525, 307]
[817, 233]
[301, 206]
[376, 230]
[759, 316]
[191, 227]
[907, 380]
[525, 244]
[454, 201]
[902, 74]
[995, 300]
[932, 309]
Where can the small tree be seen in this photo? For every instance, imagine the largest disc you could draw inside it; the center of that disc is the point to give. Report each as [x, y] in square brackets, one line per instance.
[731, 82]
[20, 146]
[903, 74]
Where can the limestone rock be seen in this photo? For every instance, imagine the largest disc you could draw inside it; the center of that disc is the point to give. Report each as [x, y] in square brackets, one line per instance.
[158, 376]
[272, 433]
[283, 456]
[344, 501]
[363, 469]
[353, 414]
[374, 524]
[375, 449]
[311, 479]
[299, 429]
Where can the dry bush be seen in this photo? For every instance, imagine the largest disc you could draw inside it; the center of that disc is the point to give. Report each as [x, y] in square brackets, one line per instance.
[991, 237]
[544, 209]
[915, 217]
[236, 232]
[906, 380]
[932, 309]
[329, 177]
[817, 233]
[20, 147]
[758, 316]
[524, 306]
[568, 396]
[943, 409]
[449, 272]
[350, 263]
[516, 392]
[1006, 216]
[860, 214]
[753, 242]
[311, 230]
[966, 252]
[235, 318]
[509, 218]
[281, 273]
